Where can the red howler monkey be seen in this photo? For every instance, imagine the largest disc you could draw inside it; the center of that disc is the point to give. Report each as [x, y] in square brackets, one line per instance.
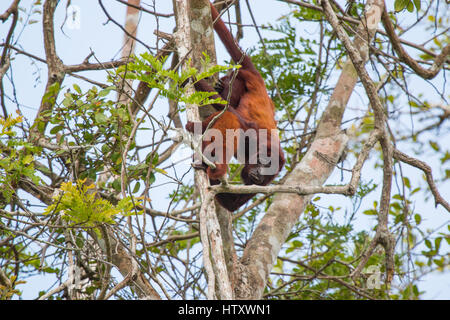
[250, 108]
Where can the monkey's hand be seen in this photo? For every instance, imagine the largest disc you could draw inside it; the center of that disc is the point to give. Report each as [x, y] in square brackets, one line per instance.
[219, 86]
[199, 166]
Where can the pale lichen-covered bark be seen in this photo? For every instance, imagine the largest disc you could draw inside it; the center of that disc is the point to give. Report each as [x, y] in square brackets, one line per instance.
[347, 80]
[191, 38]
[129, 43]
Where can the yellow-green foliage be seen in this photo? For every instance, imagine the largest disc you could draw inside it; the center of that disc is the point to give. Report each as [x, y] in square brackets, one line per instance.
[7, 291]
[16, 158]
[7, 124]
[77, 203]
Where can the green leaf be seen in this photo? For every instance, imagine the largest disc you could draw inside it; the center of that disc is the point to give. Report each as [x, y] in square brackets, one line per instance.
[67, 101]
[397, 197]
[104, 92]
[415, 290]
[28, 159]
[117, 185]
[100, 118]
[77, 88]
[445, 158]
[417, 4]
[152, 178]
[437, 243]
[438, 262]
[410, 7]
[417, 218]
[137, 186]
[56, 129]
[297, 244]
[434, 145]
[370, 212]
[407, 183]
[399, 5]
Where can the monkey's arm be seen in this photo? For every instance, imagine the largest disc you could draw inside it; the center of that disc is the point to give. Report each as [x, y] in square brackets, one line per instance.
[230, 44]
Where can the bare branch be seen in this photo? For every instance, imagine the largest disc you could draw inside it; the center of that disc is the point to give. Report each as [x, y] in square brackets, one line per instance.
[400, 156]
[140, 8]
[86, 65]
[406, 58]
[4, 60]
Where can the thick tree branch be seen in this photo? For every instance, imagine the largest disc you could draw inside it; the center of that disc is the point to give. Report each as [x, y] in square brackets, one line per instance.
[190, 43]
[366, 30]
[128, 48]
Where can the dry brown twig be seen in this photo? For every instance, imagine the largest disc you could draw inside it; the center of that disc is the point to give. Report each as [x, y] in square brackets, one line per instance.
[439, 60]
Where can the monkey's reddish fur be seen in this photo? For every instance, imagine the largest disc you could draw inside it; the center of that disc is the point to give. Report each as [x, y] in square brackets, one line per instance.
[250, 108]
